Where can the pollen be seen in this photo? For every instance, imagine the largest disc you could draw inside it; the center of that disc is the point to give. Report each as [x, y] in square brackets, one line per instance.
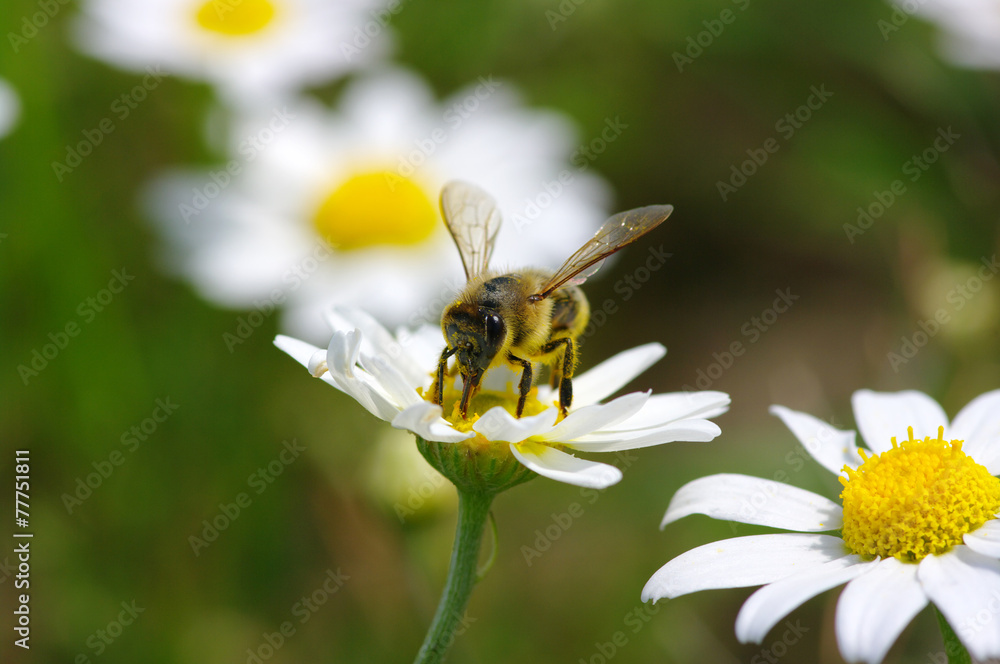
[916, 499]
[376, 208]
[236, 18]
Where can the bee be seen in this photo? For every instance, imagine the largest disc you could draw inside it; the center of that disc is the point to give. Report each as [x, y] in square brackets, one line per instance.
[531, 316]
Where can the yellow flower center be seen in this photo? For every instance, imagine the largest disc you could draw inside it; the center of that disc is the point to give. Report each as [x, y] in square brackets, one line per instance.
[916, 499]
[376, 208]
[235, 18]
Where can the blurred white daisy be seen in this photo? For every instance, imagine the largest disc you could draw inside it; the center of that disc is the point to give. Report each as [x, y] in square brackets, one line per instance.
[249, 49]
[10, 108]
[971, 29]
[319, 207]
[388, 374]
[918, 524]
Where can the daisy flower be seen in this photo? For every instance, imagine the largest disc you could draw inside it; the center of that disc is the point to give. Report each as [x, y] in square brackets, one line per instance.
[390, 374]
[917, 524]
[971, 29]
[10, 108]
[249, 49]
[318, 207]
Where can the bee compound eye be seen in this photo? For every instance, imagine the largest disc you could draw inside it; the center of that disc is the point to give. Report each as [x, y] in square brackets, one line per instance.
[494, 329]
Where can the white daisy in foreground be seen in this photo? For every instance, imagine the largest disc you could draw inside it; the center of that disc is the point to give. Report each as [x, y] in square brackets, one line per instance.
[971, 29]
[318, 208]
[250, 49]
[918, 525]
[10, 108]
[389, 375]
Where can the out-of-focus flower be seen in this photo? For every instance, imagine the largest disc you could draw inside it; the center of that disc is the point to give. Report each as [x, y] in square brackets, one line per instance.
[971, 29]
[250, 49]
[403, 482]
[918, 524]
[389, 374]
[319, 207]
[10, 108]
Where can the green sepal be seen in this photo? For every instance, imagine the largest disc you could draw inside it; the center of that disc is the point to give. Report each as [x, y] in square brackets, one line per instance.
[475, 466]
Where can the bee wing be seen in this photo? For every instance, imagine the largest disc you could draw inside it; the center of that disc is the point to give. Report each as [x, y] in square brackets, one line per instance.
[473, 220]
[622, 229]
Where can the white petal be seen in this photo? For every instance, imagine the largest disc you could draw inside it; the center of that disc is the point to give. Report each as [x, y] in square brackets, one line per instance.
[756, 501]
[875, 607]
[317, 363]
[882, 415]
[378, 342]
[742, 561]
[698, 431]
[776, 600]
[300, 351]
[562, 467]
[985, 539]
[424, 419]
[596, 417]
[391, 380]
[363, 389]
[498, 424]
[978, 424]
[832, 448]
[344, 374]
[614, 373]
[965, 586]
[343, 352]
[360, 386]
[673, 406]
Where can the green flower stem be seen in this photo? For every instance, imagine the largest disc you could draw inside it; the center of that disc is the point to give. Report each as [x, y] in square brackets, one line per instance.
[957, 654]
[473, 511]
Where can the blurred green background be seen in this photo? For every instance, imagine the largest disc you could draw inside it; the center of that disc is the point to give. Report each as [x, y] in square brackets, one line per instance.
[859, 296]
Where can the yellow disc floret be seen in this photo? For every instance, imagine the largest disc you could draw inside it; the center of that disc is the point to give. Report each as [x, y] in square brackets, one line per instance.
[235, 18]
[376, 208]
[916, 499]
[479, 464]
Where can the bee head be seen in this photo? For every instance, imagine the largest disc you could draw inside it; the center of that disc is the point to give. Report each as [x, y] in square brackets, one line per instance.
[477, 334]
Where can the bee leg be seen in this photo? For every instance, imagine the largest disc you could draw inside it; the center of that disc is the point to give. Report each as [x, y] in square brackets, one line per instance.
[437, 387]
[525, 386]
[568, 362]
[555, 377]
